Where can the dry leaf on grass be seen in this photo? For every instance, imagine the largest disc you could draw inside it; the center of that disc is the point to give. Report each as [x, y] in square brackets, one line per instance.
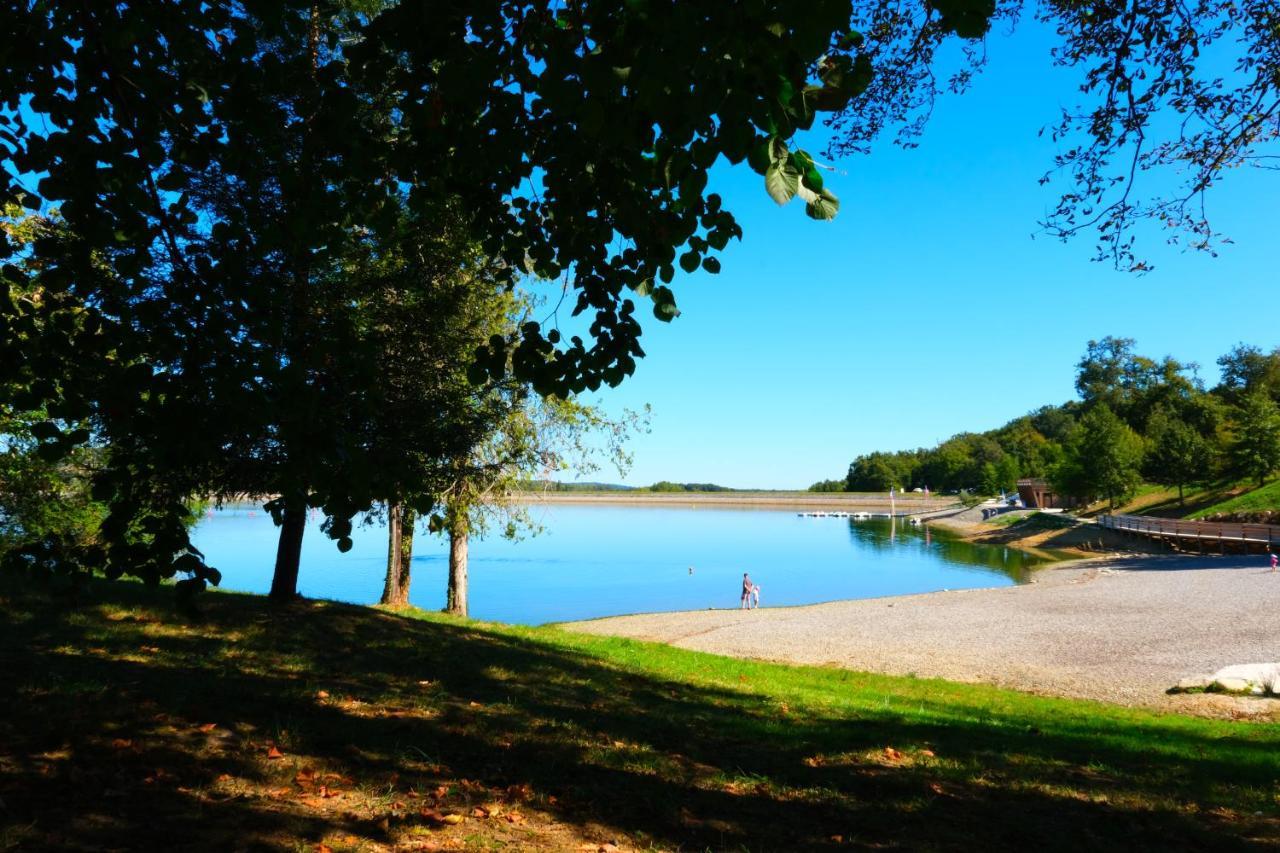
[208, 727]
[273, 754]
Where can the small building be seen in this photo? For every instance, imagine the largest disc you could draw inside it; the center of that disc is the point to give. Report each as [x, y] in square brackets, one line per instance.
[1038, 494]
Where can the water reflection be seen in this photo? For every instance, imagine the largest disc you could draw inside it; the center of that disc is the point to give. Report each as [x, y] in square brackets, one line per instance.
[943, 545]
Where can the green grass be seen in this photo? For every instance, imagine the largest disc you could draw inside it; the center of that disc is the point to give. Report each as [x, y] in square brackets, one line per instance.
[1256, 500]
[1031, 522]
[125, 726]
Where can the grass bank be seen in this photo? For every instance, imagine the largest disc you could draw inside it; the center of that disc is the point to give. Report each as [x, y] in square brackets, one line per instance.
[1260, 500]
[341, 727]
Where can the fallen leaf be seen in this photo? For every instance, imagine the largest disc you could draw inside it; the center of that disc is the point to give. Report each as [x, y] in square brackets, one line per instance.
[514, 817]
[520, 792]
[208, 727]
[273, 754]
[322, 694]
[453, 819]
[892, 754]
[121, 743]
[928, 753]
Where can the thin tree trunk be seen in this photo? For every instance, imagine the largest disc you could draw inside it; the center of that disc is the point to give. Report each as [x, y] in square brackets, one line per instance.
[456, 602]
[393, 593]
[284, 582]
[408, 518]
[1179, 494]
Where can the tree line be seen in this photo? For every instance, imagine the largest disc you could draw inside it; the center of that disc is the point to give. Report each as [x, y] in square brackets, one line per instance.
[1137, 418]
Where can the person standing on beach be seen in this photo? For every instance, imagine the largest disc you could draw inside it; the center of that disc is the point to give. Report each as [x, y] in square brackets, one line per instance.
[747, 586]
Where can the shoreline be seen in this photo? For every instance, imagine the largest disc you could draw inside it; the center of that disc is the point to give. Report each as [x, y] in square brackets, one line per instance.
[1122, 629]
[782, 500]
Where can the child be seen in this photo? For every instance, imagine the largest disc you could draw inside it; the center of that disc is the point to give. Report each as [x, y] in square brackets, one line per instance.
[1274, 559]
[755, 590]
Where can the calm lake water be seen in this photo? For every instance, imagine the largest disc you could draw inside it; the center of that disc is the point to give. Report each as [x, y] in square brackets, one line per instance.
[592, 561]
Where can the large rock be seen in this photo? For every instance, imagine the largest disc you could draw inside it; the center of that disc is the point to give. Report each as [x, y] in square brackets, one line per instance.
[1257, 677]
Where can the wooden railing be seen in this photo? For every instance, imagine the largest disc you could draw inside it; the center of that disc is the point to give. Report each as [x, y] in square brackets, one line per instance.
[1215, 531]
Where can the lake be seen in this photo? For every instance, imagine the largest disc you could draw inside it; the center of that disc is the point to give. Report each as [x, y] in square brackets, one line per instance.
[592, 561]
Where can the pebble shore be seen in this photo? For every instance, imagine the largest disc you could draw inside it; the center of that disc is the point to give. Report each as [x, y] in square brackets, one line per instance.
[1121, 630]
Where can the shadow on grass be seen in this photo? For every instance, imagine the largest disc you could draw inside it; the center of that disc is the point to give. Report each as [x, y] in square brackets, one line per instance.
[101, 744]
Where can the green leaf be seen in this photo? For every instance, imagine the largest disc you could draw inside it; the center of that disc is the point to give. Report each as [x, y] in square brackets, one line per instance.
[782, 182]
[759, 157]
[824, 206]
[689, 261]
[966, 18]
[711, 265]
[778, 151]
[812, 178]
[664, 304]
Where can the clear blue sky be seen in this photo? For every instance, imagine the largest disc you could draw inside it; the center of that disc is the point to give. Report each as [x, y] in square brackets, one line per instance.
[926, 308]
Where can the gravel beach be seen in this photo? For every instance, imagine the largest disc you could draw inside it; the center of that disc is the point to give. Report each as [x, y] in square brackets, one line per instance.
[1121, 630]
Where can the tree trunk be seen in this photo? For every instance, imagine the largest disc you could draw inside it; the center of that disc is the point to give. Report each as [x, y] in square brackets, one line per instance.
[284, 583]
[1179, 494]
[400, 521]
[457, 599]
[392, 594]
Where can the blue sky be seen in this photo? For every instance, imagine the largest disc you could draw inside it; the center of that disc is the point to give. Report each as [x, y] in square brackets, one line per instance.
[926, 308]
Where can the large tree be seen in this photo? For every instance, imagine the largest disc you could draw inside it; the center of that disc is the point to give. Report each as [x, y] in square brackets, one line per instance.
[1176, 453]
[1103, 458]
[224, 163]
[1255, 443]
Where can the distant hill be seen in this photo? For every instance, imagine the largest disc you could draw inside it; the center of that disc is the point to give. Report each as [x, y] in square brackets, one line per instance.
[660, 486]
[553, 486]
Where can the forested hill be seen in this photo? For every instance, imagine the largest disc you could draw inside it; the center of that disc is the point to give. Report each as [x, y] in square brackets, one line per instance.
[1136, 418]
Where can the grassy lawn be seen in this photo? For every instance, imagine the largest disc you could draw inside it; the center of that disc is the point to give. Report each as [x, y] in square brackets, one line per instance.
[336, 727]
[1255, 500]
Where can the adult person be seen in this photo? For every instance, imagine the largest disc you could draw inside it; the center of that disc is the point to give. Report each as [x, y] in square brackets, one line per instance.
[747, 586]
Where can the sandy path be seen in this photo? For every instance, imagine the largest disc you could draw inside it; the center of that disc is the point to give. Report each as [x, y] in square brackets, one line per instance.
[1119, 630]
